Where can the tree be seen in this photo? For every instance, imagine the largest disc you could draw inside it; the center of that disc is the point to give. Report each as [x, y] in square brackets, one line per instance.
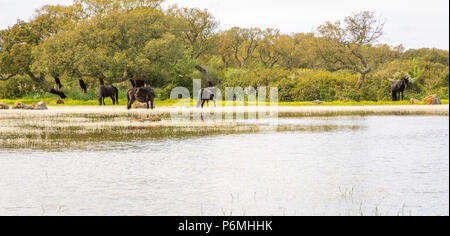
[197, 28]
[240, 45]
[268, 50]
[93, 8]
[16, 56]
[135, 45]
[343, 45]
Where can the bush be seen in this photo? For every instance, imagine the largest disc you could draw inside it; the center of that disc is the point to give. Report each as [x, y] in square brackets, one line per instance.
[16, 87]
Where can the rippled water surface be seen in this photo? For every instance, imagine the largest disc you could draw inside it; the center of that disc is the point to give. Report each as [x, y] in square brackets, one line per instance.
[388, 166]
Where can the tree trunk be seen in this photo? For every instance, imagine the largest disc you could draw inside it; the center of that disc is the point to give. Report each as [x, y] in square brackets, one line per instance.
[205, 73]
[44, 85]
[133, 83]
[361, 80]
[82, 85]
[367, 68]
[58, 82]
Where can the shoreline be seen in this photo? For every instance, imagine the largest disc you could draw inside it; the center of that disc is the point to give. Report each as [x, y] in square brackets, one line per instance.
[283, 111]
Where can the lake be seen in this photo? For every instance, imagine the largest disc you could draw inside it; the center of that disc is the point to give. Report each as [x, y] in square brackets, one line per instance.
[384, 165]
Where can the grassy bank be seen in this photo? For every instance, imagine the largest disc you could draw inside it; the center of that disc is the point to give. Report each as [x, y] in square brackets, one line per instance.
[123, 102]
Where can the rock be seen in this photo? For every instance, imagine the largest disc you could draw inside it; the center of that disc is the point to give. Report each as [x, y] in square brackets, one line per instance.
[3, 106]
[317, 102]
[36, 106]
[58, 101]
[19, 105]
[39, 106]
[414, 101]
[433, 99]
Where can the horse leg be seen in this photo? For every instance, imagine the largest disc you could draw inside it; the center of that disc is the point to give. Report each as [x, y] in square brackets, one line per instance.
[113, 99]
[403, 96]
[203, 103]
[100, 100]
[200, 99]
[130, 102]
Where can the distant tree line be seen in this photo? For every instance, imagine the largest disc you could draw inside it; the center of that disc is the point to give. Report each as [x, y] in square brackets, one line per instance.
[136, 42]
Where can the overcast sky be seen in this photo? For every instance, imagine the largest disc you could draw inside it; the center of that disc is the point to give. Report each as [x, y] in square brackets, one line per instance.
[413, 23]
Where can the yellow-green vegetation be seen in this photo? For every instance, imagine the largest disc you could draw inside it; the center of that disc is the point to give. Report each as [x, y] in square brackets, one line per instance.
[170, 102]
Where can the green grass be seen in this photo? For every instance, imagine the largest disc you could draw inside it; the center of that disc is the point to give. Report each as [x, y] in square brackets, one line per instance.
[123, 102]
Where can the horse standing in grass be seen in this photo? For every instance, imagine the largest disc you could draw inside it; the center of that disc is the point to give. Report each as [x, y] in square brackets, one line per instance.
[398, 89]
[143, 95]
[108, 91]
[206, 95]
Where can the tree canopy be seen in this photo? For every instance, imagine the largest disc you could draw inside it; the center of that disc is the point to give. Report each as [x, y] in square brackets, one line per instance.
[113, 41]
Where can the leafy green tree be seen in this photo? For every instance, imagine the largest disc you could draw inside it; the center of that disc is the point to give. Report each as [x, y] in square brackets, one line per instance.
[344, 44]
[136, 45]
[197, 29]
[16, 56]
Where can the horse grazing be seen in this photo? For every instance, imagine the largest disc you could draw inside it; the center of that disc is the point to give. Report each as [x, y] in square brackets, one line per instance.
[398, 88]
[108, 91]
[206, 95]
[144, 95]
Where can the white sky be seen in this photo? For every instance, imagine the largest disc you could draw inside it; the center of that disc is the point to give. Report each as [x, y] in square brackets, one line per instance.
[413, 23]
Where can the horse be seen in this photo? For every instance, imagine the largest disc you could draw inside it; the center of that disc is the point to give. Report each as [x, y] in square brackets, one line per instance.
[206, 95]
[144, 95]
[108, 91]
[399, 87]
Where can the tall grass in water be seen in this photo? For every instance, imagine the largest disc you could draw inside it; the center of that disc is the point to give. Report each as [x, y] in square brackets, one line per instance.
[79, 127]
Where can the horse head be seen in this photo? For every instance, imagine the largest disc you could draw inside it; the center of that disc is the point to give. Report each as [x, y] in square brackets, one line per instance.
[405, 82]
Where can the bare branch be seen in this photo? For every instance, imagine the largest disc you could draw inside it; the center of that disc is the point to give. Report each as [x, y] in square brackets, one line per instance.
[7, 78]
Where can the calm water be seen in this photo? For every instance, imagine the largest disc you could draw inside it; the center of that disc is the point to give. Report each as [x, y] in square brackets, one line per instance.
[389, 166]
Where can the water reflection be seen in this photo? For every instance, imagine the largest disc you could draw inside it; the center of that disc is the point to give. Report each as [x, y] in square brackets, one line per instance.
[391, 166]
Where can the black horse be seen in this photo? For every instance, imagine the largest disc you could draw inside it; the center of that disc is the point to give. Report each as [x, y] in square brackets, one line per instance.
[206, 95]
[108, 91]
[398, 89]
[144, 95]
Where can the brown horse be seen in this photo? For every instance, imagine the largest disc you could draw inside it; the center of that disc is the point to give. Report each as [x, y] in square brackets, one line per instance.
[108, 91]
[144, 95]
[398, 89]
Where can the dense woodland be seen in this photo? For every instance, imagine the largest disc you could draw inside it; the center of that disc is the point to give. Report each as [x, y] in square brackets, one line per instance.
[68, 51]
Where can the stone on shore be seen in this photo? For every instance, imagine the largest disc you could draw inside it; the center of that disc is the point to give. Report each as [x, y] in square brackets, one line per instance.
[35, 106]
[39, 106]
[317, 102]
[414, 101]
[433, 99]
[58, 101]
[3, 106]
[21, 106]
